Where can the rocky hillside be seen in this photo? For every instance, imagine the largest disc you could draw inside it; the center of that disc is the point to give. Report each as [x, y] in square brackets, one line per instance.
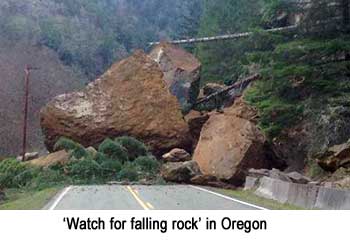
[302, 95]
[93, 34]
[51, 79]
[72, 42]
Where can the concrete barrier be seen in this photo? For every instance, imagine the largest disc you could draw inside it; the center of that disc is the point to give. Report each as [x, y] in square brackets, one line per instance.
[273, 189]
[329, 198]
[302, 195]
[251, 183]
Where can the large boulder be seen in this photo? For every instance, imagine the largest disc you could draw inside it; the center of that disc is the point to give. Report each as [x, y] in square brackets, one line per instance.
[180, 172]
[230, 144]
[181, 72]
[335, 157]
[60, 157]
[131, 99]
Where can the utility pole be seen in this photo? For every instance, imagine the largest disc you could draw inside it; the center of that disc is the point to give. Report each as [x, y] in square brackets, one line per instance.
[27, 70]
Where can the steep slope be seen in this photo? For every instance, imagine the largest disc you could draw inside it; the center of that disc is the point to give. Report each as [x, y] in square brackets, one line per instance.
[51, 79]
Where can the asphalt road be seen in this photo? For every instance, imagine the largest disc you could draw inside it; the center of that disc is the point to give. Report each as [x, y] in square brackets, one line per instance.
[116, 197]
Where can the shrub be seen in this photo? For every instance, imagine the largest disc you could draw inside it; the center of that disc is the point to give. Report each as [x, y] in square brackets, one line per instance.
[10, 173]
[114, 150]
[109, 166]
[48, 178]
[65, 144]
[77, 150]
[128, 172]
[134, 147]
[85, 169]
[147, 163]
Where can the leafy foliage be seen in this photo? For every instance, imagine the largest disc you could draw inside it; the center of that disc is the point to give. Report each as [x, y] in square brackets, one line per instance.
[65, 144]
[147, 163]
[129, 172]
[12, 173]
[296, 73]
[134, 147]
[86, 169]
[114, 150]
[221, 61]
[110, 163]
[77, 151]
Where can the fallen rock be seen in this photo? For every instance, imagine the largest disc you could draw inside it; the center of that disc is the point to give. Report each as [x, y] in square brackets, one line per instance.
[343, 183]
[180, 172]
[131, 99]
[60, 157]
[296, 177]
[293, 177]
[196, 121]
[278, 175]
[230, 144]
[203, 180]
[28, 156]
[335, 157]
[258, 173]
[181, 71]
[177, 155]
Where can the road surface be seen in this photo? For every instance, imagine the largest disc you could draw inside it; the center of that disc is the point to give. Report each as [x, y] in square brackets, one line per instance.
[115, 197]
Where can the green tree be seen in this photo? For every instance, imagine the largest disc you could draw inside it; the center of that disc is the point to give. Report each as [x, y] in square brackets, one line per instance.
[222, 60]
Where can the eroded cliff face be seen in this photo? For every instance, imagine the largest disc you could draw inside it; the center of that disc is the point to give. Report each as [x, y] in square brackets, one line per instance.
[131, 98]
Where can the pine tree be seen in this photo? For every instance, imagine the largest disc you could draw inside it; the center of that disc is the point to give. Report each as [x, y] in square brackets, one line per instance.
[221, 60]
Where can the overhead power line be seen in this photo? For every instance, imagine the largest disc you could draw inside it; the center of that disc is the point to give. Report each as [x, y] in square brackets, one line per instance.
[225, 37]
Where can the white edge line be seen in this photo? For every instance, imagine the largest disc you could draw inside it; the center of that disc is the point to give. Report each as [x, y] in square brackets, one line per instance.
[60, 197]
[229, 198]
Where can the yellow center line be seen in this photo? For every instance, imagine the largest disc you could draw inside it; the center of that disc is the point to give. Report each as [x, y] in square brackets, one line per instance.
[145, 206]
[150, 205]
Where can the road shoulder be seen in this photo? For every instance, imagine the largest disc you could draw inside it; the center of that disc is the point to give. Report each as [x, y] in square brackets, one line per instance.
[250, 197]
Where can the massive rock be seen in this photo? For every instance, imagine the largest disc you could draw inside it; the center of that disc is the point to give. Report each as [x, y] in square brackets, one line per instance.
[181, 71]
[230, 144]
[131, 99]
[335, 157]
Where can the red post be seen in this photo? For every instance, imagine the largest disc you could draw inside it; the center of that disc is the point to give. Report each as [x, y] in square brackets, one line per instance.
[26, 80]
